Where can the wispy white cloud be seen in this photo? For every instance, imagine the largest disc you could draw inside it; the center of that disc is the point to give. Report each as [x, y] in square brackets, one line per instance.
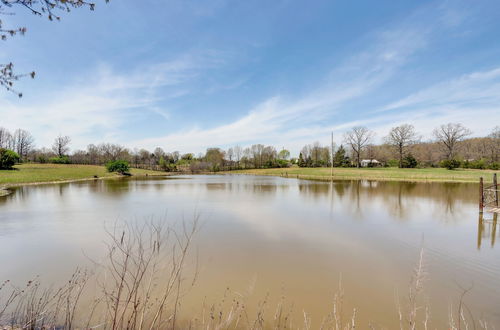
[472, 89]
[96, 107]
[97, 104]
[291, 121]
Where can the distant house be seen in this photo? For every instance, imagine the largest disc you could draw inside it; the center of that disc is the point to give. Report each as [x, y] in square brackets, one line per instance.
[370, 163]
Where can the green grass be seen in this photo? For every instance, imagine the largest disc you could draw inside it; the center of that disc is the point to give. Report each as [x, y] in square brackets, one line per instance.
[38, 173]
[381, 174]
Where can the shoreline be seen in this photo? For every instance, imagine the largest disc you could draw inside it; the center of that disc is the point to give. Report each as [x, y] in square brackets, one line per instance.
[360, 178]
[364, 176]
[5, 188]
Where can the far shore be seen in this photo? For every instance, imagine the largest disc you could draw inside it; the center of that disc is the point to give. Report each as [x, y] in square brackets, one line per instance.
[375, 174]
[39, 174]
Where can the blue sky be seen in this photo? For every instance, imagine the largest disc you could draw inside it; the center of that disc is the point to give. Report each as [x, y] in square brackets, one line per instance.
[187, 75]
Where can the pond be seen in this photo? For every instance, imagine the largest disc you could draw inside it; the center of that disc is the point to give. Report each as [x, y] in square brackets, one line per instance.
[276, 238]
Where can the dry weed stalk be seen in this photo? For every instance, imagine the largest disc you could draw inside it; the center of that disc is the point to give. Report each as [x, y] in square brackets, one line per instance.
[334, 320]
[463, 320]
[141, 284]
[33, 307]
[142, 280]
[409, 319]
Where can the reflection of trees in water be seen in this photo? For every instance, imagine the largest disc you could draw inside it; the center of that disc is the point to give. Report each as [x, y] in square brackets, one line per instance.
[400, 199]
[340, 188]
[10, 197]
[487, 229]
[25, 192]
[121, 186]
[314, 189]
[247, 187]
[450, 192]
[355, 196]
[262, 188]
[111, 187]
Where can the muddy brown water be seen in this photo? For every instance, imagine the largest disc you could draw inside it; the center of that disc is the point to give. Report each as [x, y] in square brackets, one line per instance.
[276, 237]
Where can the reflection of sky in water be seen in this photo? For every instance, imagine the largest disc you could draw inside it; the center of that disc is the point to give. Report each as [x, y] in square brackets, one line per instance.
[300, 235]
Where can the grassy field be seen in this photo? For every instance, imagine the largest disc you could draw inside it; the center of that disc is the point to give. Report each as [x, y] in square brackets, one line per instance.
[381, 174]
[38, 173]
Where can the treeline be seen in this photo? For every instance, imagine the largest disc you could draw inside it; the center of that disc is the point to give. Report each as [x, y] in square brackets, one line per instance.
[450, 147]
[403, 147]
[215, 159]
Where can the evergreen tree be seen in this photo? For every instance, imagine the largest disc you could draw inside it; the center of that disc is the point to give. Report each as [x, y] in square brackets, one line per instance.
[340, 159]
[301, 161]
[409, 162]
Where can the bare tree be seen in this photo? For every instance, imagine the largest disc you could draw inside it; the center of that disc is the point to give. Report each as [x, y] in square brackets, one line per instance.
[306, 151]
[495, 144]
[449, 135]
[23, 142]
[238, 152]
[230, 156]
[158, 152]
[358, 138]
[257, 150]
[93, 154]
[316, 153]
[176, 155]
[48, 8]
[61, 145]
[113, 152]
[401, 137]
[5, 138]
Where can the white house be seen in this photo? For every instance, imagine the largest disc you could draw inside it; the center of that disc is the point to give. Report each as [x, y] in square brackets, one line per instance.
[370, 163]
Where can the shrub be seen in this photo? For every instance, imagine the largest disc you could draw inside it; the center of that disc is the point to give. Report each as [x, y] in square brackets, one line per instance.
[198, 166]
[393, 163]
[8, 158]
[215, 168]
[166, 166]
[479, 164]
[42, 159]
[494, 166]
[277, 163]
[119, 166]
[450, 164]
[163, 163]
[171, 168]
[282, 163]
[409, 161]
[59, 160]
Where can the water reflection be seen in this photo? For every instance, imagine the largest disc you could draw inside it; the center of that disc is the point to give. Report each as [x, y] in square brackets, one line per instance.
[284, 232]
[487, 229]
[401, 199]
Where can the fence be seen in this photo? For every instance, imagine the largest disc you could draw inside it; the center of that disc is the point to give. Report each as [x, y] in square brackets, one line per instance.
[488, 196]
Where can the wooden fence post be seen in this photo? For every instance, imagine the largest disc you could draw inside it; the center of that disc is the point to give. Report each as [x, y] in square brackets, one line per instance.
[481, 195]
[495, 188]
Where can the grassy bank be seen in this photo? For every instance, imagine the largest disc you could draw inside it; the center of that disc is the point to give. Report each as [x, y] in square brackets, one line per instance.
[43, 173]
[380, 174]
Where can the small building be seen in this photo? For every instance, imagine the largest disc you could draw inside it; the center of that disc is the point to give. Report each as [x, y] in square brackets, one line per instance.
[370, 163]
